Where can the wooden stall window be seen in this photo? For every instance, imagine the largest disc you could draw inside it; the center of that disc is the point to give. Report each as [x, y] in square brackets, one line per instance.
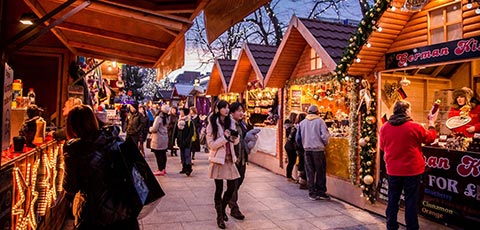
[445, 24]
[315, 60]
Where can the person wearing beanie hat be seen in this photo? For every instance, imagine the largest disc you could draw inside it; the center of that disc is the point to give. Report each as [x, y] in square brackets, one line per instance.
[464, 103]
[313, 135]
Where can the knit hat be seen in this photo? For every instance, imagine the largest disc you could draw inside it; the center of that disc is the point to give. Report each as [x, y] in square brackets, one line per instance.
[135, 105]
[313, 109]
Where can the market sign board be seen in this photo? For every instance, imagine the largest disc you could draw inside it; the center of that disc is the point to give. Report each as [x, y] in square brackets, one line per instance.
[451, 187]
[461, 49]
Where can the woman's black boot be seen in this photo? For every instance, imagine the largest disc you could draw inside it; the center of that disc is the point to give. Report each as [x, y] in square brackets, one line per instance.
[220, 214]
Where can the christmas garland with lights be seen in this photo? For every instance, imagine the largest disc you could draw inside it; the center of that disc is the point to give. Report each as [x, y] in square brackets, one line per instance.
[367, 120]
[359, 38]
[368, 150]
[354, 135]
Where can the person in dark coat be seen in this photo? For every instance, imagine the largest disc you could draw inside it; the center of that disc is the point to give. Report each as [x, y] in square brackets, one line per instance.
[86, 175]
[171, 126]
[198, 126]
[133, 123]
[145, 124]
[183, 133]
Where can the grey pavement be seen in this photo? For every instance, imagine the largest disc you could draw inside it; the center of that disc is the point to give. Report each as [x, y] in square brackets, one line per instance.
[267, 200]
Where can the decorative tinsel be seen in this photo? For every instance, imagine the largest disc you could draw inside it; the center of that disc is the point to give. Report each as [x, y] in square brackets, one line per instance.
[365, 28]
[354, 135]
[368, 148]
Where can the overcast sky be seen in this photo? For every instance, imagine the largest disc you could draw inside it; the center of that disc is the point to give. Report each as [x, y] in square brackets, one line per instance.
[349, 9]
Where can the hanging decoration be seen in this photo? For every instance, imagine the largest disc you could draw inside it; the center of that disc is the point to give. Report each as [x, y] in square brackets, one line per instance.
[368, 143]
[359, 39]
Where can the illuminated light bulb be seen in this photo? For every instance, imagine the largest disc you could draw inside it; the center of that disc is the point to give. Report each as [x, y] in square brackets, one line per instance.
[469, 5]
[114, 64]
[379, 29]
[346, 78]
[394, 8]
[358, 60]
[369, 45]
[477, 11]
[109, 68]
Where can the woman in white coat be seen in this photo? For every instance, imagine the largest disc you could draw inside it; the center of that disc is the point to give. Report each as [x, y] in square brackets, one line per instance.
[159, 142]
[222, 157]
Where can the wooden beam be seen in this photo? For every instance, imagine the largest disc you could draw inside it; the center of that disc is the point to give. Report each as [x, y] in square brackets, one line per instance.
[398, 75]
[438, 70]
[123, 60]
[107, 9]
[106, 50]
[112, 35]
[40, 12]
[151, 8]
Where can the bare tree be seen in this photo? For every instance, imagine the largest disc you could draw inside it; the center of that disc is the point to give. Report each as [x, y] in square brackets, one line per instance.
[269, 31]
[322, 6]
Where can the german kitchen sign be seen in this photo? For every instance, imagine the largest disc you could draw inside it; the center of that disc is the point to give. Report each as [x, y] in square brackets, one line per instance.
[449, 51]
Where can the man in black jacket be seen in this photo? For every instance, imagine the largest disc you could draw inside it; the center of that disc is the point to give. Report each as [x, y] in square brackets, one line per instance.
[241, 151]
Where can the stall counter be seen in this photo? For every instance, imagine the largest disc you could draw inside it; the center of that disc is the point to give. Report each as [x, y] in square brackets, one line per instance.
[267, 140]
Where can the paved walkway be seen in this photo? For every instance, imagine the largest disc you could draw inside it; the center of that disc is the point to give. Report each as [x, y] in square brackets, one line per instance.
[268, 201]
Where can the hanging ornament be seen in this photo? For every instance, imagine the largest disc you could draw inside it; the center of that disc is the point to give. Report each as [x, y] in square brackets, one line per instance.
[362, 142]
[371, 120]
[368, 180]
[369, 163]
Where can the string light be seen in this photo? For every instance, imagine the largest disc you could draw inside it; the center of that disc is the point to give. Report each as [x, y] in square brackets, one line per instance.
[358, 60]
[368, 45]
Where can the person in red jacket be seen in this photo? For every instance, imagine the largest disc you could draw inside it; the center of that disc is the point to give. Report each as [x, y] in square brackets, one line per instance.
[463, 98]
[401, 139]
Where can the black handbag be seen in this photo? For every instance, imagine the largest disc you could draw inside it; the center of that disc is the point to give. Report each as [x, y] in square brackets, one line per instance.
[145, 189]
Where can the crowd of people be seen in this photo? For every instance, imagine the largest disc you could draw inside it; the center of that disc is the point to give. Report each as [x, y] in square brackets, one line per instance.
[226, 136]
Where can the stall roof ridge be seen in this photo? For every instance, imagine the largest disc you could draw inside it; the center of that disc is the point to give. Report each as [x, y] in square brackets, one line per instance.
[263, 55]
[328, 39]
[226, 66]
[220, 77]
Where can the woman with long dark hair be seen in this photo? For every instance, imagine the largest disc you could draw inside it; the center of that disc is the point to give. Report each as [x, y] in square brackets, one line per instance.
[221, 138]
[159, 143]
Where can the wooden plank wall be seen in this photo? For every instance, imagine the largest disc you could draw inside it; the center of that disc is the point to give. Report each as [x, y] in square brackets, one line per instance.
[471, 21]
[302, 69]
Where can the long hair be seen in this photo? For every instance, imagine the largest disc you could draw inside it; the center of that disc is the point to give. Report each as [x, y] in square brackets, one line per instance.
[81, 122]
[300, 117]
[216, 115]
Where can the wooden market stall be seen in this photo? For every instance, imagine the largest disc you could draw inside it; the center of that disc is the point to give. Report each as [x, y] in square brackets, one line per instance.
[303, 67]
[419, 53]
[260, 102]
[220, 79]
[142, 33]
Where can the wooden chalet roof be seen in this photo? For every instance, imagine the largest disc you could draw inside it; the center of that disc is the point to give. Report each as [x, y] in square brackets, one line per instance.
[220, 77]
[252, 64]
[166, 94]
[137, 32]
[402, 30]
[328, 39]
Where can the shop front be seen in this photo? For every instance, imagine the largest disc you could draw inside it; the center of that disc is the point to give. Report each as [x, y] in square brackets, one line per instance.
[303, 68]
[261, 103]
[220, 79]
[426, 57]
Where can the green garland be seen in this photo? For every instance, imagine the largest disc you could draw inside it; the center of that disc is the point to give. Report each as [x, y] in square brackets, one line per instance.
[368, 150]
[359, 38]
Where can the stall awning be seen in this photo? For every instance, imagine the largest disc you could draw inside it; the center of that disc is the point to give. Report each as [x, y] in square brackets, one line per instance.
[328, 39]
[220, 77]
[252, 65]
[146, 33]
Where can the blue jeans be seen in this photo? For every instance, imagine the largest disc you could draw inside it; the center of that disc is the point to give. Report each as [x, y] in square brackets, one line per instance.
[185, 156]
[410, 186]
[316, 169]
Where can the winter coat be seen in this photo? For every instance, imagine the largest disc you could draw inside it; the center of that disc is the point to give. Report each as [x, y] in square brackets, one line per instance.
[183, 132]
[87, 175]
[217, 146]
[474, 115]
[170, 129]
[159, 133]
[134, 125]
[312, 133]
[401, 139]
[241, 150]
[145, 123]
[251, 138]
[198, 126]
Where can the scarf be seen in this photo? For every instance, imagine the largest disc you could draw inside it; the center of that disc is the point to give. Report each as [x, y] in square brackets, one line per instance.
[399, 119]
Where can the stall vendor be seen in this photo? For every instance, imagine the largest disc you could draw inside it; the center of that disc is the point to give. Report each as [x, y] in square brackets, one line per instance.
[463, 104]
